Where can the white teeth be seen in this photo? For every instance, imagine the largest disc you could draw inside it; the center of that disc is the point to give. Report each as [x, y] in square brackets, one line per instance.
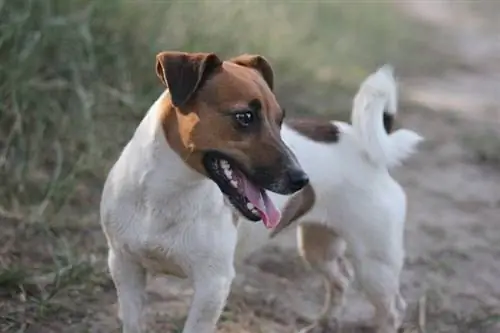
[254, 211]
[228, 173]
[226, 167]
[224, 164]
[250, 206]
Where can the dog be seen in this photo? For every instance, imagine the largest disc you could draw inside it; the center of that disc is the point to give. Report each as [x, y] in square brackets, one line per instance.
[351, 201]
[205, 153]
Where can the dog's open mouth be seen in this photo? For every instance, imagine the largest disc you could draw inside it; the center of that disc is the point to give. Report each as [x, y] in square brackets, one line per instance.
[249, 199]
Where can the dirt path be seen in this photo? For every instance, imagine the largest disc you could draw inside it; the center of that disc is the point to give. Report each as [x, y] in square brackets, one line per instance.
[473, 36]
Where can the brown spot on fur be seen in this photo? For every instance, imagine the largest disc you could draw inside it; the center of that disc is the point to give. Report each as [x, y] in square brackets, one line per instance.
[297, 206]
[319, 243]
[318, 130]
[259, 63]
[185, 73]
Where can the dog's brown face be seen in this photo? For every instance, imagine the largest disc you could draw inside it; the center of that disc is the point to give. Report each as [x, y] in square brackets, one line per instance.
[223, 119]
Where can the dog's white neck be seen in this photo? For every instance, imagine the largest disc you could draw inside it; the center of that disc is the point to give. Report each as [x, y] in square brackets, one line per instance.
[168, 164]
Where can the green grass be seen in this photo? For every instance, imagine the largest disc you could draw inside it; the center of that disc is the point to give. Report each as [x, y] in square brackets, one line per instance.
[76, 76]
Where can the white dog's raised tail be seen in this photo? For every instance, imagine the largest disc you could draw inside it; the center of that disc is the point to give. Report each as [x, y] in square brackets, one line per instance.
[376, 100]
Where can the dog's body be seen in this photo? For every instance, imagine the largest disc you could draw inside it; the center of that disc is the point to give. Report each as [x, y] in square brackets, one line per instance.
[173, 222]
[161, 216]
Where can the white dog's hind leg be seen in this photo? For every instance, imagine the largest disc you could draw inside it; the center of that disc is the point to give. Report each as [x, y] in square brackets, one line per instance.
[324, 251]
[380, 281]
[130, 282]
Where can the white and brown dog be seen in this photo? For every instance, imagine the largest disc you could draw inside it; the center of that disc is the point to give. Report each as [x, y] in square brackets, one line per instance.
[207, 148]
[204, 155]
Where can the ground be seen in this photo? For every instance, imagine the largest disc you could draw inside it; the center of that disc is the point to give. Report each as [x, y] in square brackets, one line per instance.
[452, 270]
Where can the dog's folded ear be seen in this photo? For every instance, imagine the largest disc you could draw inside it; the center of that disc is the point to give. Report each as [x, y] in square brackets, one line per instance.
[258, 63]
[184, 73]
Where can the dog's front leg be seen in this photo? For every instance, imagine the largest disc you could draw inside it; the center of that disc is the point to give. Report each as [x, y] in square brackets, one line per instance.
[211, 292]
[130, 282]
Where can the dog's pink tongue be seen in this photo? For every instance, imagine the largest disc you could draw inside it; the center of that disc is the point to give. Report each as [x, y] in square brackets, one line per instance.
[268, 212]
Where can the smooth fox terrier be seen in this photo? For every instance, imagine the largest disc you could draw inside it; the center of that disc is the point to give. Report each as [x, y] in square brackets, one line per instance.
[205, 152]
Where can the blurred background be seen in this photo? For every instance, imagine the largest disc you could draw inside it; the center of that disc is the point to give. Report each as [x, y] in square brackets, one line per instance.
[77, 76]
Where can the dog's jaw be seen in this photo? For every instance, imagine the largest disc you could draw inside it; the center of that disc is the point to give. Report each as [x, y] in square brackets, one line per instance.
[249, 199]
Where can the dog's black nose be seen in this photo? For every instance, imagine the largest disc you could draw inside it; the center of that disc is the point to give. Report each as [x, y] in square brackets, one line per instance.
[298, 179]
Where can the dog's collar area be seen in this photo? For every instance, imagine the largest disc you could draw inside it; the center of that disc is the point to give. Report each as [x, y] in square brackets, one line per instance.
[249, 199]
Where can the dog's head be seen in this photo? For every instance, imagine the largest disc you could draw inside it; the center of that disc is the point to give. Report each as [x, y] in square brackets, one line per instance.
[224, 121]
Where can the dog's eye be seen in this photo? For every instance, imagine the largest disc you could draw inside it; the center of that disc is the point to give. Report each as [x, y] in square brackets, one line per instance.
[244, 119]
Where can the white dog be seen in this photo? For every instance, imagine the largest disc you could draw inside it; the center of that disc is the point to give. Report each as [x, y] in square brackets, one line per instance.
[351, 200]
[204, 155]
